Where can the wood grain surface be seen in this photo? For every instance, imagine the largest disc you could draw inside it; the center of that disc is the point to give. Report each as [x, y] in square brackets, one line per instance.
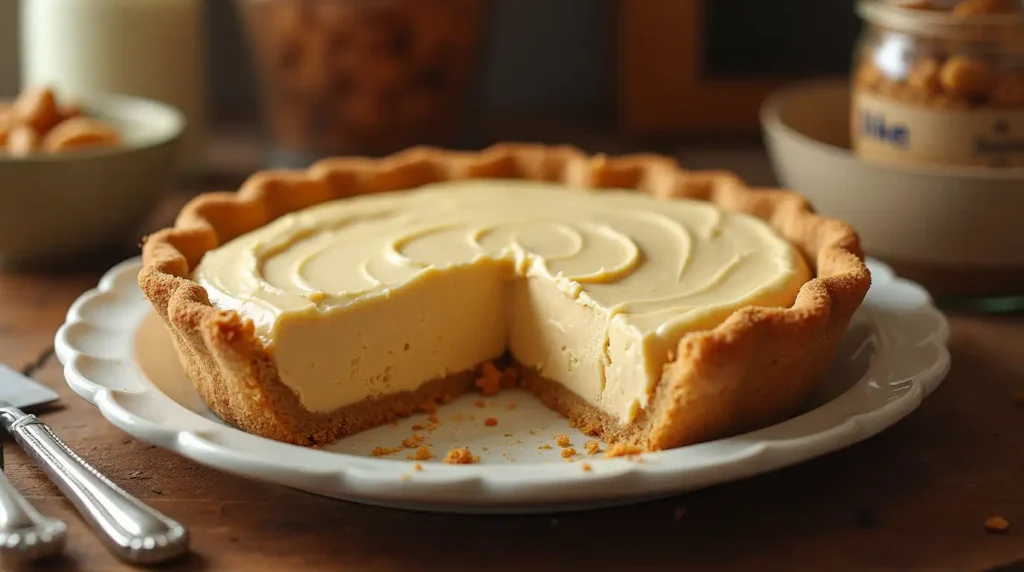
[913, 498]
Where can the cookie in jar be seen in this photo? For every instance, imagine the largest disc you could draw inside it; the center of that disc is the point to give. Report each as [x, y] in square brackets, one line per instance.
[940, 82]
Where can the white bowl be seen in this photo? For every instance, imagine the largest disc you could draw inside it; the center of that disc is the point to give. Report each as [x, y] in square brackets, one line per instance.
[957, 230]
[61, 206]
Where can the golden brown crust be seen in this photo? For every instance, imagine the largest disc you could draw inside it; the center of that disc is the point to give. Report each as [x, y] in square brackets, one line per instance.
[757, 367]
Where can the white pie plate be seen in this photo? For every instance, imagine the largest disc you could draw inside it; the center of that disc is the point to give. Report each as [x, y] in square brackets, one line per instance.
[117, 356]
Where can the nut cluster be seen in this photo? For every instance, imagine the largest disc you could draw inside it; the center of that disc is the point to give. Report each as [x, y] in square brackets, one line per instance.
[364, 76]
[956, 82]
[37, 123]
[944, 75]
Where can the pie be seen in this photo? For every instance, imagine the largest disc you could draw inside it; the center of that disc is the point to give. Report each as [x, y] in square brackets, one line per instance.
[652, 306]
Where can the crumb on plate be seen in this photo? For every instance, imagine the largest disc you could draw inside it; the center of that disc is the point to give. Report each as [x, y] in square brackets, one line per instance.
[413, 442]
[996, 524]
[568, 452]
[489, 379]
[460, 456]
[563, 440]
[421, 454]
[623, 450]
[593, 447]
[491, 422]
[508, 378]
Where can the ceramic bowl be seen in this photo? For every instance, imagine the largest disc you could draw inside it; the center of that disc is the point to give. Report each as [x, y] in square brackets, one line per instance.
[56, 207]
[957, 230]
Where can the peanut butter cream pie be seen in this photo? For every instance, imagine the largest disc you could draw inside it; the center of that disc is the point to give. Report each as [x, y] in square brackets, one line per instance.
[311, 305]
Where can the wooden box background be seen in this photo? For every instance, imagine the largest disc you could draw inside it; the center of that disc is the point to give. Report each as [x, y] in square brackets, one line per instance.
[702, 66]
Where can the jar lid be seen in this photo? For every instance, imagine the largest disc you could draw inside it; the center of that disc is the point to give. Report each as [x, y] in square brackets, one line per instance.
[939, 23]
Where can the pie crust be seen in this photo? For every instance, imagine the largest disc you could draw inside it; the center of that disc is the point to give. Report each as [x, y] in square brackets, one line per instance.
[755, 368]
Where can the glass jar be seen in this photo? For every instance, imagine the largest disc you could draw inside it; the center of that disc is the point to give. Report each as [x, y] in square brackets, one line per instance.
[365, 77]
[940, 82]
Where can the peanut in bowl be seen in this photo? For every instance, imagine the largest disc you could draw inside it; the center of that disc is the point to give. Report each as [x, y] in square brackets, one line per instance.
[88, 181]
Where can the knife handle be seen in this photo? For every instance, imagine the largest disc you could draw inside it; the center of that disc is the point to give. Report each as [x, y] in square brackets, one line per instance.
[25, 534]
[133, 531]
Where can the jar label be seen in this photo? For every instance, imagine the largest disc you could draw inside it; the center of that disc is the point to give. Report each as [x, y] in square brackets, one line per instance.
[890, 131]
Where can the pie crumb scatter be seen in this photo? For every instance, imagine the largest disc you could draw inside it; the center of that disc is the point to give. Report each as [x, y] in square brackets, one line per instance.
[532, 432]
[413, 442]
[508, 378]
[512, 406]
[421, 454]
[460, 456]
[489, 380]
[508, 434]
[568, 453]
[996, 524]
[593, 447]
[544, 447]
[417, 466]
[563, 440]
[384, 451]
[623, 450]
[586, 467]
[480, 404]
[491, 422]
[433, 418]
[418, 427]
[458, 417]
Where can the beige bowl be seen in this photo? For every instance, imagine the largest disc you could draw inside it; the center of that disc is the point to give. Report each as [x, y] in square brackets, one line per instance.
[61, 206]
[958, 230]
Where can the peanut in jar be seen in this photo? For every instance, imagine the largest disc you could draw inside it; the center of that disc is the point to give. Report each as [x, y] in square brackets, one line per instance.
[941, 82]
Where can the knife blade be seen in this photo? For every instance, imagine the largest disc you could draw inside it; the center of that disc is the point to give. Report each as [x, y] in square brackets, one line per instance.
[25, 534]
[21, 391]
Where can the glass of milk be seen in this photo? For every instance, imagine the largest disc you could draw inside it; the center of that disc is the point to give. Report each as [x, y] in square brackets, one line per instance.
[147, 48]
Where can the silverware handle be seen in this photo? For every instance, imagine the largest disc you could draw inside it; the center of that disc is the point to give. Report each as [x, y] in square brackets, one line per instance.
[135, 532]
[24, 533]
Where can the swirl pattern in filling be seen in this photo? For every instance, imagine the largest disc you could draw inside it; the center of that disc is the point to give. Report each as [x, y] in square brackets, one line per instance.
[365, 296]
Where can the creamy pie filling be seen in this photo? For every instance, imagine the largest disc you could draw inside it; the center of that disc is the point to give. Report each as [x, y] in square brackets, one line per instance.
[377, 294]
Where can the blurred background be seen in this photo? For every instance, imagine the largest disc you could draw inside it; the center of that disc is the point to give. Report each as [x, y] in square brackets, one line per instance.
[544, 70]
[903, 118]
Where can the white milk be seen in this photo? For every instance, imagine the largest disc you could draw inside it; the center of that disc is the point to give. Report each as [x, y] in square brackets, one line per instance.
[148, 48]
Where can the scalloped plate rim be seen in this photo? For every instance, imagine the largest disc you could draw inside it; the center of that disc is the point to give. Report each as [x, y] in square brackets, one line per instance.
[520, 487]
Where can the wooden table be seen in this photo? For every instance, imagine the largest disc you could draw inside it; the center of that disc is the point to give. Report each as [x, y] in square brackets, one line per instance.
[913, 498]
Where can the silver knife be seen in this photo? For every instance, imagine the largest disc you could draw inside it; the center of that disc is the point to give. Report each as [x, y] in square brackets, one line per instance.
[133, 531]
